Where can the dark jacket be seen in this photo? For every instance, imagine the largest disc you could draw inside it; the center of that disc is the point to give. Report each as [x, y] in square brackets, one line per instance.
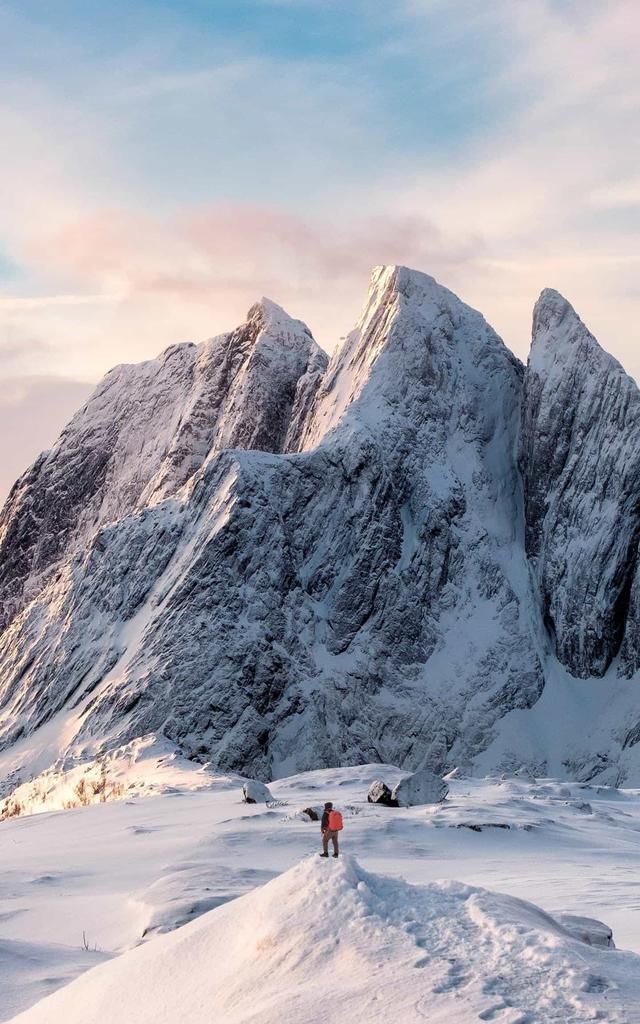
[324, 824]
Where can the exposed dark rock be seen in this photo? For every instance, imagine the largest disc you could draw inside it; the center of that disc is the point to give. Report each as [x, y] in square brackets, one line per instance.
[475, 826]
[380, 793]
[580, 459]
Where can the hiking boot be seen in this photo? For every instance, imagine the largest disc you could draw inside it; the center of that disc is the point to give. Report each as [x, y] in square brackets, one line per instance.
[323, 855]
[336, 855]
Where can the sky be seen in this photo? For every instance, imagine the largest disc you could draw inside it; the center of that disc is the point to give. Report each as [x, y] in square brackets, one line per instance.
[166, 163]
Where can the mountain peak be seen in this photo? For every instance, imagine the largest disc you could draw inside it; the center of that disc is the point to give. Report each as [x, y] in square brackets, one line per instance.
[391, 280]
[580, 467]
[551, 309]
[401, 276]
[412, 333]
[559, 337]
[552, 299]
[266, 315]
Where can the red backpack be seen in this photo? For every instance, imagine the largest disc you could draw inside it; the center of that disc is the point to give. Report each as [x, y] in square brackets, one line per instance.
[335, 821]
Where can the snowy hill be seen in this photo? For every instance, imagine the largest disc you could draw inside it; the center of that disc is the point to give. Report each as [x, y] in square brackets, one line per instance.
[333, 942]
[274, 565]
[282, 935]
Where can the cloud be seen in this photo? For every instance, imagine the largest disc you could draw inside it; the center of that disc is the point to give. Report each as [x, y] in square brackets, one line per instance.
[33, 411]
[617, 194]
[18, 349]
[544, 187]
[154, 192]
[205, 266]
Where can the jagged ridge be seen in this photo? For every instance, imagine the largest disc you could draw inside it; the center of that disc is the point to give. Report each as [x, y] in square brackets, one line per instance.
[580, 460]
[303, 568]
[146, 430]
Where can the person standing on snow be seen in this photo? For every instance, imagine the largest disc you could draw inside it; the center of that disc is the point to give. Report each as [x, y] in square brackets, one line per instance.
[330, 825]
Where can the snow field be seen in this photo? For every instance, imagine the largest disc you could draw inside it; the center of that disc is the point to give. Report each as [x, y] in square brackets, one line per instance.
[125, 873]
[333, 942]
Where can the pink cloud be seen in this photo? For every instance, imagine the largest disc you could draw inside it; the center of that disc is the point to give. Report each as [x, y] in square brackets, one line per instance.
[32, 412]
[237, 253]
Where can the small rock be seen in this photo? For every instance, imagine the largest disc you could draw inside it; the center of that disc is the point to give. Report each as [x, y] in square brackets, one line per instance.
[583, 806]
[478, 826]
[588, 930]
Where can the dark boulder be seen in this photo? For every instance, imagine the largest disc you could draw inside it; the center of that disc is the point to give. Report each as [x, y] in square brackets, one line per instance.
[379, 793]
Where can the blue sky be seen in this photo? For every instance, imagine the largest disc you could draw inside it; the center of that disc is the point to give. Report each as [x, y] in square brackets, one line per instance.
[367, 44]
[191, 96]
[166, 163]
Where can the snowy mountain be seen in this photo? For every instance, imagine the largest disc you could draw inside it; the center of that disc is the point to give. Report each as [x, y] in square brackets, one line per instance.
[277, 564]
[580, 460]
[145, 431]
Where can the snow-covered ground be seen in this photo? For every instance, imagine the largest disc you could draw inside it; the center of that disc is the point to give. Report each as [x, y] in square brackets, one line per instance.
[324, 941]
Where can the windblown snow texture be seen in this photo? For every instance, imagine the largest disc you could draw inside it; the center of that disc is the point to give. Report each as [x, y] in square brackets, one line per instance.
[333, 942]
[280, 565]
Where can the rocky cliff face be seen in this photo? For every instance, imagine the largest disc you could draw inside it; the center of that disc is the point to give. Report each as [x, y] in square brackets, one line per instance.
[580, 459]
[280, 565]
[144, 432]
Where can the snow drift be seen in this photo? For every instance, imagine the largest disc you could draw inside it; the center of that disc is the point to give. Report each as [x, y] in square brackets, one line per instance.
[331, 942]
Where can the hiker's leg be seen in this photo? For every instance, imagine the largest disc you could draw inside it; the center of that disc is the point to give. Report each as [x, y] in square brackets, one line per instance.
[325, 843]
[334, 836]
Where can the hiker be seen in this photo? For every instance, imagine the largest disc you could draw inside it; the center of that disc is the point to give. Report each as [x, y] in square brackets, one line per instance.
[330, 825]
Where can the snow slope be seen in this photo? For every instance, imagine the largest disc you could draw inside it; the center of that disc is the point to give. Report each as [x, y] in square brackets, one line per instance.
[333, 942]
[436, 948]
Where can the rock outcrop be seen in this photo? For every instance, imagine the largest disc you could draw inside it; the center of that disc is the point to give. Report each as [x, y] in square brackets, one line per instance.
[580, 460]
[254, 792]
[422, 787]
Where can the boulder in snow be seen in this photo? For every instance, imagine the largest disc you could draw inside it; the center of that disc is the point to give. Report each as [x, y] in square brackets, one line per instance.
[423, 787]
[254, 792]
[588, 930]
[379, 793]
[311, 813]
